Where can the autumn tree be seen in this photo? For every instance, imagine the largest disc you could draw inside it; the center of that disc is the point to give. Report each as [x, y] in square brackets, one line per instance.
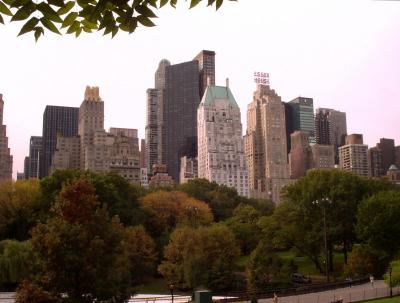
[203, 256]
[167, 210]
[393, 274]
[21, 208]
[87, 15]
[80, 250]
[141, 251]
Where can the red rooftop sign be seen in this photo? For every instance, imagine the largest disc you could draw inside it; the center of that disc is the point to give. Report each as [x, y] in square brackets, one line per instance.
[261, 78]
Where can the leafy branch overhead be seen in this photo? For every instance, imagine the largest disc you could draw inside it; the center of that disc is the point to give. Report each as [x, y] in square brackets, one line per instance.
[73, 17]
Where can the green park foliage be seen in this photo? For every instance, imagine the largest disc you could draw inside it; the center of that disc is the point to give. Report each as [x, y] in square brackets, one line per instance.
[75, 17]
[94, 236]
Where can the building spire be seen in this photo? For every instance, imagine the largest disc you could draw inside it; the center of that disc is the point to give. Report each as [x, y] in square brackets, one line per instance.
[227, 82]
[92, 94]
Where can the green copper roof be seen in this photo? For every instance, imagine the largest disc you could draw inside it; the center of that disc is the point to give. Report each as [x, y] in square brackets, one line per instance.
[218, 92]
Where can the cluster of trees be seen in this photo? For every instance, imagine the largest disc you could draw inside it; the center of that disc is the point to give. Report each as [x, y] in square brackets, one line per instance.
[95, 236]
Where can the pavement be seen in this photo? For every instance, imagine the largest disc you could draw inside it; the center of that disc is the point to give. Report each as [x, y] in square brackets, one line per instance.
[348, 294]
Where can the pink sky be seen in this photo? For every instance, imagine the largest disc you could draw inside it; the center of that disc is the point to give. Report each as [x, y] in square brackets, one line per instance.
[344, 54]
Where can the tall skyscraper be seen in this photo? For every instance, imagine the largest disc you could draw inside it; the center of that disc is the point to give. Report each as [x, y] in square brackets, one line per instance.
[6, 159]
[31, 164]
[375, 162]
[388, 153]
[57, 120]
[155, 129]
[265, 143]
[142, 160]
[171, 128]
[330, 128]
[206, 61]
[353, 156]
[300, 116]
[397, 155]
[221, 156]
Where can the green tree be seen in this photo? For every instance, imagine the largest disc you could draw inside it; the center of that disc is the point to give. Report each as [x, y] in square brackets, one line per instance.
[85, 15]
[141, 251]
[395, 279]
[80, 250]
[203, 256]
[264, 267]
[21, 208]
[243, 224]
[14, 262]
[112, 190]
[378, 222]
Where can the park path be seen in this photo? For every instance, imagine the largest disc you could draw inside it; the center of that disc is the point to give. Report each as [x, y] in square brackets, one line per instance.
[348, 294]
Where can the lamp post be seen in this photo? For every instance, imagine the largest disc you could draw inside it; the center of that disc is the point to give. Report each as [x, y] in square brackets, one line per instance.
[323, 203]
[390, 281]
[171, 289]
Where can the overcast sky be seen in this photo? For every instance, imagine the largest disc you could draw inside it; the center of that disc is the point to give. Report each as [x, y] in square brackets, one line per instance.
[344, 54]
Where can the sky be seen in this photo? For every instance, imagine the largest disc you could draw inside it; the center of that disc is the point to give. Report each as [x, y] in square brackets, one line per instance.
[344, 54]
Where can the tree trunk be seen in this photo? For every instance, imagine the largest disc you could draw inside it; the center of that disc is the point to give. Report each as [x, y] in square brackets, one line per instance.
[345, 251]
[330, 256]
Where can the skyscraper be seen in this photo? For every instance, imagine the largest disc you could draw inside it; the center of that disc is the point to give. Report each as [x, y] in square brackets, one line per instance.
[330, 128]
[221, 156]
[57, 120]
[375, 162]
[388, 153]
[353, 156]
[171, 128]
[142, 160]
[6, 160]
[265, 143]
[31, 164]
[300, 116]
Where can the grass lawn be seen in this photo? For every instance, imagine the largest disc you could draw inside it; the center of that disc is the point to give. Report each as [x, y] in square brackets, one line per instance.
[155, 286]
[392, 300]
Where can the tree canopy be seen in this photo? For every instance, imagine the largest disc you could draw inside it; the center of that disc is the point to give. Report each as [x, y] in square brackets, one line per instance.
[75, 17]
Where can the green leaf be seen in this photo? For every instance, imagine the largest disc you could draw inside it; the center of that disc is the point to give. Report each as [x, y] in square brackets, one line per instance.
[153, 3]
[24, 12]
[219, 3]
[1, 19]
[74, 27]
[78, 32]
[9, 2]
[4, 9]
[48, 12]
[163, 2]
[38, 32]
[193, 3]
[114, 31]
[66, 8]
[16, 3]
[29, 26]
[145, 11]
[69, 19]
[89, 25]
[49, 25]
[145, 21]
[59, 3]
[173, 3]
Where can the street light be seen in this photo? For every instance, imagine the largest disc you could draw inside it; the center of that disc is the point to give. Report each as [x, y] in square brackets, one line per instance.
[171, 289]
[323, 203]
[390, 280]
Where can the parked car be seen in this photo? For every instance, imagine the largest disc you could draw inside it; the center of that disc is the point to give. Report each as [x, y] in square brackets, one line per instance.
[300, 278]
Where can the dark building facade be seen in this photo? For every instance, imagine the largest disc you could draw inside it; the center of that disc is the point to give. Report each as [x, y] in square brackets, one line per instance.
[375, 162]
[32, 162]
[299, 115]
[57, 120]
[388, 153]
[180, 113]
[206, 61]
[330, 128]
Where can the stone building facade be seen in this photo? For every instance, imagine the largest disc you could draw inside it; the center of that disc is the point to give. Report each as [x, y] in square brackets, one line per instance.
[221, 156]
[265, 144]
[353, 156]
[6, 159]
[188, 170]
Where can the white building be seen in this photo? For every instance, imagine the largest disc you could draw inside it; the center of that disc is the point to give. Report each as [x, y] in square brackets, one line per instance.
[221, 156]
